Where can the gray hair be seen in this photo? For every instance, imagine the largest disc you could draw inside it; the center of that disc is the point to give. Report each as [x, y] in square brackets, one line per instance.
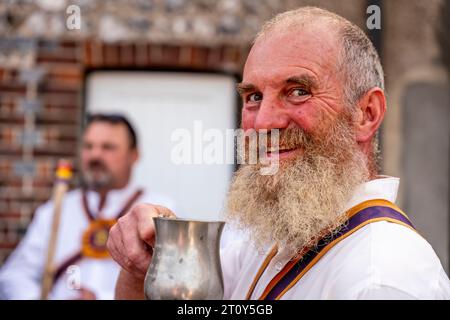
[358, 60]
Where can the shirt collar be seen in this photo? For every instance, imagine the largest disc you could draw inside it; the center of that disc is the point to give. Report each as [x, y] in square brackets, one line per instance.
[383, 187]
[114, 198]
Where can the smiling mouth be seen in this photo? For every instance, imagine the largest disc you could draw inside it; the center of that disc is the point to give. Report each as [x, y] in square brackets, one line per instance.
[282, 152]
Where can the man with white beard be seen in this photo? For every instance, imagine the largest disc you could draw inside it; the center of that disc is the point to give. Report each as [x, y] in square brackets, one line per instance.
[325, 226]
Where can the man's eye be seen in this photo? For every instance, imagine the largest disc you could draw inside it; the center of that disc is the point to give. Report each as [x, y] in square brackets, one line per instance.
[254, 97]
[299, 92]
[108, 147]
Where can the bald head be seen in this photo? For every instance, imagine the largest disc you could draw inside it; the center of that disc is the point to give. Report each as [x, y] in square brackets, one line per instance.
[357, 60]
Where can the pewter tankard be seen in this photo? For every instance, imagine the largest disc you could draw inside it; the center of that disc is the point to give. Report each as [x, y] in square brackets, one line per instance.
[186, 261]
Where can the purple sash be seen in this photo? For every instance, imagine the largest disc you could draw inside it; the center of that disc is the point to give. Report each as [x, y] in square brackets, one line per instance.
[277, 286]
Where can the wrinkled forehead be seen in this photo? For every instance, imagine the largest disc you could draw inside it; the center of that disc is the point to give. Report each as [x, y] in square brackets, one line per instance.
[314, 47]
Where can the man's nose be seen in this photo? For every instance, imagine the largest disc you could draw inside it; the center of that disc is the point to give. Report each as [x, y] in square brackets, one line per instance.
[95, 152]
[271, 115]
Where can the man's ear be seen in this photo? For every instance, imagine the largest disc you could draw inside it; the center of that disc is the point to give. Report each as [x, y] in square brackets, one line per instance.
[371, 108]
[134, 155]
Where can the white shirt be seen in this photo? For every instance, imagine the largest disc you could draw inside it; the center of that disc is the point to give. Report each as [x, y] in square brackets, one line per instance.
[20, 276]
[382, 260]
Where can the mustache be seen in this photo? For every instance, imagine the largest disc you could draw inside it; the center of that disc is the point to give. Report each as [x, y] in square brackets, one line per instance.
[287, 138]
[96, 164]
[254, 145]
[291, 138]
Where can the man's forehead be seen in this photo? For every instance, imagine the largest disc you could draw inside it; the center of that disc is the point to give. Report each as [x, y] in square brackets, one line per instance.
[103, 131]
[310, 49]
[303, 33]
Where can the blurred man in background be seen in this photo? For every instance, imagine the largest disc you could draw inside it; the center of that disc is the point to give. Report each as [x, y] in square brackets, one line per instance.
[84, 269]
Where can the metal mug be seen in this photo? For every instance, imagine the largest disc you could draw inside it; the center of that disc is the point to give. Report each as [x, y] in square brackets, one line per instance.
[186, 261]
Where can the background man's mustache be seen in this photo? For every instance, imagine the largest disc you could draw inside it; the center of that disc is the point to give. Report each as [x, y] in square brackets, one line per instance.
[96, 164]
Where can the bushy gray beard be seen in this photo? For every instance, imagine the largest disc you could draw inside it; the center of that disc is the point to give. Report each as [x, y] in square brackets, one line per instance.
[306, 198]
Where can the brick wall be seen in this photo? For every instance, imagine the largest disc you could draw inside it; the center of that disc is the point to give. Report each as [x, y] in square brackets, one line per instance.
[58, 120]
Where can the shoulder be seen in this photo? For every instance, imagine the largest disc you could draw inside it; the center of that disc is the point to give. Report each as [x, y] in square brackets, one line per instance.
[237, 249]
[73, 195]
[70, 198]
[387, 255]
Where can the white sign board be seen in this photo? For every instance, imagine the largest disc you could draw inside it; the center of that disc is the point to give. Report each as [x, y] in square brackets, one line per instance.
[159, 104]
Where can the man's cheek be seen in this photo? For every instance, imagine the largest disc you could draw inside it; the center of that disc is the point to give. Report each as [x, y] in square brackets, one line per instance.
[84, 163]
[310, 123]
[248, 119]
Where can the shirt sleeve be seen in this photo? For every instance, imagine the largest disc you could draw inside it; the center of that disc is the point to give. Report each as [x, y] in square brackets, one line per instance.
[384, 293]
[20, 276]
[230, 267]
[439, 291]
[232, 251]
[443, 287]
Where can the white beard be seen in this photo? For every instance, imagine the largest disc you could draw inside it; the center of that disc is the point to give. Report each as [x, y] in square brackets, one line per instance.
[308, 195]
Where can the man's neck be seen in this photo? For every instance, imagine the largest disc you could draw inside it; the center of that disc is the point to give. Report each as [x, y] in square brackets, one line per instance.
[103, 193]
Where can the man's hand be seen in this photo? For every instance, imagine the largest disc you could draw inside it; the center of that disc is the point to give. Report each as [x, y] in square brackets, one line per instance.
[130, 243]
[85, 294]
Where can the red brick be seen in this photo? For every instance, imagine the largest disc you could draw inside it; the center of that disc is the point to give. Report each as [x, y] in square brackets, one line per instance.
[141, 57]
[7, 88]
[126, 54]
[111, 55]
[170, 55]
[199, 57]
[155, 55]
[185, 59]
[62, 52]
